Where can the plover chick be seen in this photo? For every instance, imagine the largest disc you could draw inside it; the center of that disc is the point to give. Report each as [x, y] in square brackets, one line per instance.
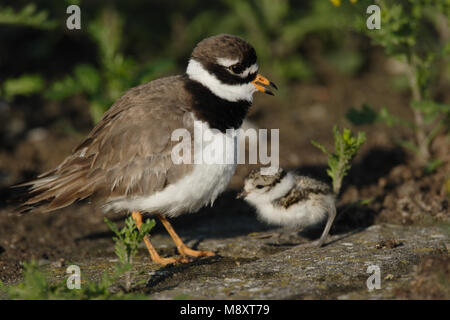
[288, 199]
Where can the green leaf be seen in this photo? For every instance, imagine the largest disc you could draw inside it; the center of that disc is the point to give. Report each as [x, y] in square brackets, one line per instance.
[97, 109]
[432, 165]
[146, 227]
[366, 201]
[346, 146]
[431, 109]
[28, 16]
[106, 30]
[35, 286]
[88, 78]
[410, 145]
[128, 238]
[24, 85]
[155, 70]
[367, 115]
[112, 226]
[63, 88]
[319, 146]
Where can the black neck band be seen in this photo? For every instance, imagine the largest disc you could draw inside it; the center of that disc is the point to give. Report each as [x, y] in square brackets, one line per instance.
[219, 113]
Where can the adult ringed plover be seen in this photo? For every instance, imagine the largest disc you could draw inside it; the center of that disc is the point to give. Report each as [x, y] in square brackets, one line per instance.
[125, 162]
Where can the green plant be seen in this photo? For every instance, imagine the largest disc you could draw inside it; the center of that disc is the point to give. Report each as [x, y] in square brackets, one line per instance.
[346, 146]
[115, 74]
[33, 286]
[415, 32]
[36, 286]
[26, 84]
[127, 242]
[27, 16]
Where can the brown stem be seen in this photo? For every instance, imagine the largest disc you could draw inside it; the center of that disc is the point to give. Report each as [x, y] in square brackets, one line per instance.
[338, 181]
[128, 276]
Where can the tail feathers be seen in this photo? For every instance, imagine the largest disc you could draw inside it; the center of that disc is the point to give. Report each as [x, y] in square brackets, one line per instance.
[42, 179]
[52, 192]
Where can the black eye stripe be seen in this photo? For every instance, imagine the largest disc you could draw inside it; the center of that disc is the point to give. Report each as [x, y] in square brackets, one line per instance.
[237, 68]
[225, 76]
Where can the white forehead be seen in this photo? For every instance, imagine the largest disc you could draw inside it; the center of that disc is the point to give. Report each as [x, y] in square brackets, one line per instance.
[227, 62]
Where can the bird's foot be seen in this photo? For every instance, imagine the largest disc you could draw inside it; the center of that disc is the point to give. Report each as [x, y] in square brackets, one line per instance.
[322, 242]
[186, 251]
[311, 244]
[171, 260]
[183, 249]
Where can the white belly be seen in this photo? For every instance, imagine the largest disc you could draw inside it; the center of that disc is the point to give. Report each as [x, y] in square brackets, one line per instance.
[197, 189]
[304, 214]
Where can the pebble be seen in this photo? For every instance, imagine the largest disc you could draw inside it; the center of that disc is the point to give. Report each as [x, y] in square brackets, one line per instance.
[347, 244]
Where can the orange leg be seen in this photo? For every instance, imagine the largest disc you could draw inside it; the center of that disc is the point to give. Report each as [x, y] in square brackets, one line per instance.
[182, 248]
[153, 254]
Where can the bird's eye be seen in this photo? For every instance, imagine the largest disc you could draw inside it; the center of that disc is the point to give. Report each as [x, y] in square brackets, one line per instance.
[259, 186]
[236, 68]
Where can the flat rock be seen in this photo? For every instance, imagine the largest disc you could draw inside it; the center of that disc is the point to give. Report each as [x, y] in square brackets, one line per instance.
[336, 271]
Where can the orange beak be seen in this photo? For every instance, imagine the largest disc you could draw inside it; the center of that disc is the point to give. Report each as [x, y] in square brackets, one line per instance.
[261, 81]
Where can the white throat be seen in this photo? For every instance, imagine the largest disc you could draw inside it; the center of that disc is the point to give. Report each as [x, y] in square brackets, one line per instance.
[229, 92]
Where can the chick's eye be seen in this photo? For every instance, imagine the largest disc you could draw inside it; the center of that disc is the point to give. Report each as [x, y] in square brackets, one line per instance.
[236, 68]
[259, 186]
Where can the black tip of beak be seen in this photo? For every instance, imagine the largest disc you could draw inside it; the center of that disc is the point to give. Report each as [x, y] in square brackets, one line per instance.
[273, 85]
[269, 92]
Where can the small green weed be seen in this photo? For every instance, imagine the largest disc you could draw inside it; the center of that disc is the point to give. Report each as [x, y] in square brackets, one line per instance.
[127, 242]
[346, 146]
[35, 284]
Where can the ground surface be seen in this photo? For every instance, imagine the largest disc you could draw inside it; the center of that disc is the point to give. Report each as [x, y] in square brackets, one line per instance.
[408, 215]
